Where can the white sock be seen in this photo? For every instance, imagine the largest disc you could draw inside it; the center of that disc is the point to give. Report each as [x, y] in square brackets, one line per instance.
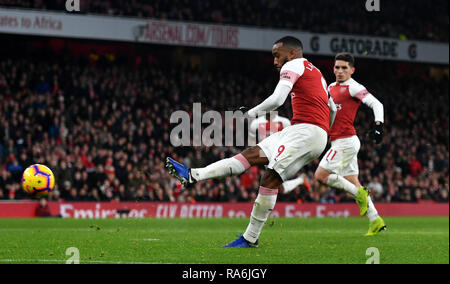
[372, 212]
[263, 206]
[339, 182]
[290, 185]
[223, 168]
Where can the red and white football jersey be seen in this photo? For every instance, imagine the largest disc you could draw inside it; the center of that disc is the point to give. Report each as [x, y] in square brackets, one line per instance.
[309, 96]
[266, 128]
[347, 96]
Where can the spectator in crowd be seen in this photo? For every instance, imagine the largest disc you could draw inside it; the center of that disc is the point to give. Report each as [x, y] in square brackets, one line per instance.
[376, 187]
[43, 210]
[105, 131]
[424, 20]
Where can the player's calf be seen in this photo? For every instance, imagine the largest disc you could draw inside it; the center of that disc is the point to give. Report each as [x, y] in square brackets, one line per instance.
[232, 166]
[321, 175]
[264, 204]
[335, 181]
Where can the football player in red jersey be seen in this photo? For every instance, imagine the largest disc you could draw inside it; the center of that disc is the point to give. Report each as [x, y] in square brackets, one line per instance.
[285, 152]
[264, 126]
[339, 166]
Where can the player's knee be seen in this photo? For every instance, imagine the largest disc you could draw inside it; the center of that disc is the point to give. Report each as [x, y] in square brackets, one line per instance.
[271, 179]
[255, 156]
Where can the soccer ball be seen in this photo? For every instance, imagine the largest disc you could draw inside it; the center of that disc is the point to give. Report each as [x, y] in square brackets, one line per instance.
[38, 180]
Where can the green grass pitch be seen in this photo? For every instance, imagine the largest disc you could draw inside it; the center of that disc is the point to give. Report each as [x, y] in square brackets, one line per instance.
[198, 241]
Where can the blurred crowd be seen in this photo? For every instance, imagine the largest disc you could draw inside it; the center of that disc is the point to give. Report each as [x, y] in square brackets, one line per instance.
[413, 19]
[104, 130]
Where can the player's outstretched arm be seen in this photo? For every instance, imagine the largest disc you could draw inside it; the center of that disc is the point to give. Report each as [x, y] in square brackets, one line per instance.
[376, 106]
[274, 101]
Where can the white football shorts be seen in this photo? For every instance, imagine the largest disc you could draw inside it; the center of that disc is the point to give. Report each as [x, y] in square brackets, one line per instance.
[342, 158]
[290, 149]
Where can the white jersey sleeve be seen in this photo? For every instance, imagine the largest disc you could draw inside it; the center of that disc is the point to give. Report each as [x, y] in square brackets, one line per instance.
[376, 106]
[253, 128]
[360, 92]
[286, 122]
[332, 105]
[289, 74]
[291, 71]
[333, 110]
[273, 102]
[357, 90]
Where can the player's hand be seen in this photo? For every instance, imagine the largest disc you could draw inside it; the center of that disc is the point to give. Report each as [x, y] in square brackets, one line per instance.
[377, 133]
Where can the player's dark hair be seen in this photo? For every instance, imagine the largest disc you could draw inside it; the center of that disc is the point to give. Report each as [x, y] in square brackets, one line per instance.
[347, 57]
[290, 41]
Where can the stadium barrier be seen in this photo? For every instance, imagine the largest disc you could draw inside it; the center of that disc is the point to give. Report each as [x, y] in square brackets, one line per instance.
[83, 210]
[181, 33]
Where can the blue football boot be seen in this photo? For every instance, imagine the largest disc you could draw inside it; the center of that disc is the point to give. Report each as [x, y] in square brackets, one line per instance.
[241, 243]
[180, 172]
